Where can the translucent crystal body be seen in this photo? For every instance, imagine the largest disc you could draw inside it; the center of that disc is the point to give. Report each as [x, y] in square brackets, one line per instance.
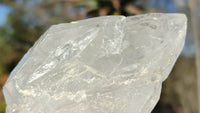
[111, 64]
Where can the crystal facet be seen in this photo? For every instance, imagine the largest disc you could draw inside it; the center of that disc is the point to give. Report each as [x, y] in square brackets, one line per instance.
[111, 64]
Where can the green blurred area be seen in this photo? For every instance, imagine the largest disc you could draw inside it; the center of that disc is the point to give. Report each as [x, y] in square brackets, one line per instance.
[28, 19]
[2, 107]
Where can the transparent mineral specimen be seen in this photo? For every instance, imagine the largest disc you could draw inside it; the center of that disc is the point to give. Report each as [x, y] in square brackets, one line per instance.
[111, 64]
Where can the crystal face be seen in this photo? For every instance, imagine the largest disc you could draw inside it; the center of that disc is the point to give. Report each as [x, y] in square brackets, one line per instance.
[111, 64]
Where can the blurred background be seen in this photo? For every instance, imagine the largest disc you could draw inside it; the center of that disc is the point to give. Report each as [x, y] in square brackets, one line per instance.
[23, 21]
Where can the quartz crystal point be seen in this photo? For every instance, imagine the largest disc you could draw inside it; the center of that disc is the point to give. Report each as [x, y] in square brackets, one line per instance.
[111, 64]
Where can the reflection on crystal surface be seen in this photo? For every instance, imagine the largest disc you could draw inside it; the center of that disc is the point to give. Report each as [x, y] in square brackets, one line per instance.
[111, 64]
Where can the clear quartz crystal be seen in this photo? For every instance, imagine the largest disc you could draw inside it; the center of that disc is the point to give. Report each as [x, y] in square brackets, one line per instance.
[111, 64]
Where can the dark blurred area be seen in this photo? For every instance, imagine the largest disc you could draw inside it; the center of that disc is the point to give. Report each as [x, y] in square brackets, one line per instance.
[22, 22]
